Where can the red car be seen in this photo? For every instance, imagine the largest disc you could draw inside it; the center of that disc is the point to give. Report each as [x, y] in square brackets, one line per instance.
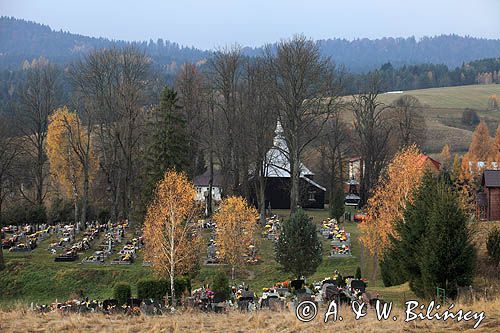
[359, 217]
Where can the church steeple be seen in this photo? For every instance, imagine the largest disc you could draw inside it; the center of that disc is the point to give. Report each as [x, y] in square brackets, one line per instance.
[279, 140]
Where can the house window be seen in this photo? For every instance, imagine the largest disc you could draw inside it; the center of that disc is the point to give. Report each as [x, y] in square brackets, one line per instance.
[311, 196]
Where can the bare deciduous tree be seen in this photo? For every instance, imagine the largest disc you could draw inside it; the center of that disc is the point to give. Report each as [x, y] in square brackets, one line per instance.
[409, 121]
[38, 98]
[333, 148]
[225, 70]
[259, 121]
[115, 83]
[189, 84]
[8, 152]
[305, 90]
[373, 132]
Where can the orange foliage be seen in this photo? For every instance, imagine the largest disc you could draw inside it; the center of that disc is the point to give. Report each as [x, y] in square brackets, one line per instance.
[481, 147]
[389, 199]
[445, 156]
[236, 223]
[497, 145]
[170, 230]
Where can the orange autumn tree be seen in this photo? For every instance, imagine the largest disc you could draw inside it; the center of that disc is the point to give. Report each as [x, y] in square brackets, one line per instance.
[445, 157]
[466, 184]
[496, 145]
[170, 230]
[236, 223]
[389, 200]
[481, 147]
[70, 155]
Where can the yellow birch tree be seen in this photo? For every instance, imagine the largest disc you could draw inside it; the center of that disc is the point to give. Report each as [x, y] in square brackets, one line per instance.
[70, 153]
[389, 200]
[170, 230]
[63, 161]
[236, 223]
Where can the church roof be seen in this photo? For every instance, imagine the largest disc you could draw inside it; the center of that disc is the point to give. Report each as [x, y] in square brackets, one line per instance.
[277, 157]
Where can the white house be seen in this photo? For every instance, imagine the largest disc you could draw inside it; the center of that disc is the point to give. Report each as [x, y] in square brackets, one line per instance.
[201, 183]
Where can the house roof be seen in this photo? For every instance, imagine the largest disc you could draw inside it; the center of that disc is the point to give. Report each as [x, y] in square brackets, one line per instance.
[204, 179]
[312, 182]
[491, 178]
[425, 158]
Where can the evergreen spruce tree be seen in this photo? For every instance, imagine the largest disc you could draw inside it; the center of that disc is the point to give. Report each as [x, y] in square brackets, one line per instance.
[337, 204]
[433, 248]
[447, 257]
[411, 231]
[2, 264]
[298, 249]
[169, 142]
[391, 269]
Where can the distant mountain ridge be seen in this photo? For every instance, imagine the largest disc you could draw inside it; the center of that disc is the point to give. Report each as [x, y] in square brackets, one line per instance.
[24, 40]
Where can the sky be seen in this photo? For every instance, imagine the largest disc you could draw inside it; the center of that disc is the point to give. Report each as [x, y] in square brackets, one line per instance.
[209, 24]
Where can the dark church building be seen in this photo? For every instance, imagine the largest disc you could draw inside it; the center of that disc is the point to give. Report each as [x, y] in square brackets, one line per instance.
[278, 193]
[278, 180]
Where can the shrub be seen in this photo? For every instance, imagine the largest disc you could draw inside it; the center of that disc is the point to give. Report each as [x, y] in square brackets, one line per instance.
[157, 289]
[25, 213]
[493, 246]
[220, 283]
[358, 273]
[470, 117]
[61, 211]
[122, 292]
[103, 216]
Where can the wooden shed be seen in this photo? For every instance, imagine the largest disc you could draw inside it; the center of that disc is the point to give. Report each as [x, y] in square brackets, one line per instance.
[490, 199]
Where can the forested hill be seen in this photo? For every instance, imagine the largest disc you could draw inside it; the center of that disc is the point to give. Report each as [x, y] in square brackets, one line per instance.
[22, 40]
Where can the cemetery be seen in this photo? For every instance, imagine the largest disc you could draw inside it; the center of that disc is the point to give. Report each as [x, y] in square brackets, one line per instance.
[148, 181]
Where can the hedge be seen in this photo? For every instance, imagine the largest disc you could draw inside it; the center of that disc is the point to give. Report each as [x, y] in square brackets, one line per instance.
[157, 289]
[122, 292]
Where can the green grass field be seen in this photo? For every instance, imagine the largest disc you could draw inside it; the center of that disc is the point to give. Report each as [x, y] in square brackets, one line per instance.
[442, 110]
[472, 96]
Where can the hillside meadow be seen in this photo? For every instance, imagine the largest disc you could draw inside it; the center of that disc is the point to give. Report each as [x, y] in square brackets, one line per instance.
[443, 108]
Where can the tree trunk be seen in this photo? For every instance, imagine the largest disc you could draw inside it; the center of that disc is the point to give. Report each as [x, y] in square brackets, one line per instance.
[85, 194]
[39, 176]
[375, 267]
[294, 191]
[172, 287]
[261, 197]
[75, 207]
[172, 266]
[2, 265]
[210, 182]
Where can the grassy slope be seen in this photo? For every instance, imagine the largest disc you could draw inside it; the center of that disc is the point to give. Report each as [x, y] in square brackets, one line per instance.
[35, 277]
[472, 96]
[443, 112]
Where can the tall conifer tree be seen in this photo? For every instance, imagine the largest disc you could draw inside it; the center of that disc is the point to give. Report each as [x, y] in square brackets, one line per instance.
[168, 146]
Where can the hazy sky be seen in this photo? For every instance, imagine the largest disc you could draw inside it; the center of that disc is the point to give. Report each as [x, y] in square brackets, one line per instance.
[212, 23]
